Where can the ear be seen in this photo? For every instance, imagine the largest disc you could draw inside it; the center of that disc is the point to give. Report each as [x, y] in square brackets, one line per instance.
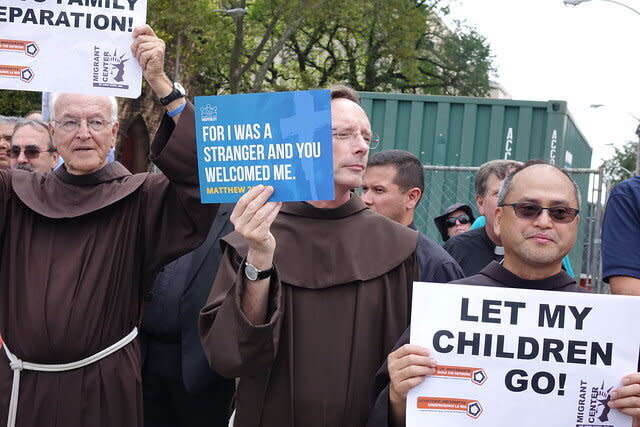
[412, 198]
[480, 203]
[114, 133]
[497, 221]
[52, 131]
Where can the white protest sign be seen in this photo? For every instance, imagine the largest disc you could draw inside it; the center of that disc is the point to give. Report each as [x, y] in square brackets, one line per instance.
[529, 358]
[77, 46]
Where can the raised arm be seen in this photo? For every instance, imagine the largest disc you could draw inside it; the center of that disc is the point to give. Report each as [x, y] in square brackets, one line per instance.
[149, 51]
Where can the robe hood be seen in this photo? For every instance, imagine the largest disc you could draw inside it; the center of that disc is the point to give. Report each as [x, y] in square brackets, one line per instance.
[498, 273]
[311, 254]
[60, 194]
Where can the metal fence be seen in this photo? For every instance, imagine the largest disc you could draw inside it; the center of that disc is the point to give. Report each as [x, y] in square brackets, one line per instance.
[446, 185]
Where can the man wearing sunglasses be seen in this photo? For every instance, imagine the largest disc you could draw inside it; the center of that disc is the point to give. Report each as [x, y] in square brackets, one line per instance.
[31, 147]
[537, 222]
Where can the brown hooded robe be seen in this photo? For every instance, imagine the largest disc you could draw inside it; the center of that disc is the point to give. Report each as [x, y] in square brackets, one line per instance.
[77, 254]
[338, 302]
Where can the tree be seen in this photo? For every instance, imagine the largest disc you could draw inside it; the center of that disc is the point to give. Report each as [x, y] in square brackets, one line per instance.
[19, 103]
[622, 164]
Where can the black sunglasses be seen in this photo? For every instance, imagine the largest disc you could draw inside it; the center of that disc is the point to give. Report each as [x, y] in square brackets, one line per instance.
[526, 210]
[462, 219]
[30, 152]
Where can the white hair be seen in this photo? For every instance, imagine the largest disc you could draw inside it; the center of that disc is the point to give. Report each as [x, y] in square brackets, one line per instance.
[53, 98]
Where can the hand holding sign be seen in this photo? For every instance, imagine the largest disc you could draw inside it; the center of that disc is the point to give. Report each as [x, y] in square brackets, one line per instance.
[626, 399]
[148, 49]
[252, 218]
[408, 366]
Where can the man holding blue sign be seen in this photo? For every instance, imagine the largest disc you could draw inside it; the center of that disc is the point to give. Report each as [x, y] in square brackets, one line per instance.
[310, 295]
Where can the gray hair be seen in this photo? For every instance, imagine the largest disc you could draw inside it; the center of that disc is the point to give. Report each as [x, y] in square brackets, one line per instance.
[37, 125]
[53, 99]
[506, 185]
[10, 120]
[499, 168]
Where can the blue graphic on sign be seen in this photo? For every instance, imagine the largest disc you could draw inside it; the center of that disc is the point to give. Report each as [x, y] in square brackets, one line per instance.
[281, 139]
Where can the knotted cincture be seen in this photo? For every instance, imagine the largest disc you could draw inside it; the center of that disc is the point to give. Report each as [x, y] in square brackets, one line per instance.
[18, 365]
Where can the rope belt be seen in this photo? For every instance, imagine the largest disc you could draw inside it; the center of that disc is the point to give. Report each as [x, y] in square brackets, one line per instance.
[18, 365]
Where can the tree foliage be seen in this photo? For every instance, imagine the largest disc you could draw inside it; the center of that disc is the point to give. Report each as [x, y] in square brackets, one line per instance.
[622, 164]
[19, 103]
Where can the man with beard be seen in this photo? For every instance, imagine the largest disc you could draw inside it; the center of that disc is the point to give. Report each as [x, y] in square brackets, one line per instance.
[537, 223]
[32, 148]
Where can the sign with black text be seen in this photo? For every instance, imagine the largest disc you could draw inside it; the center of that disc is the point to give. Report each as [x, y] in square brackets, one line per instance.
[77, 46]
[521, 357]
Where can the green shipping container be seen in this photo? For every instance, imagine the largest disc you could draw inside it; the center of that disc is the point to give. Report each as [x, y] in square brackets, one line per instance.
[465, 131]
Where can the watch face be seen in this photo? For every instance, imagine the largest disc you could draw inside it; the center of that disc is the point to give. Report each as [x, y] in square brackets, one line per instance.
[178, 86]
[251, 272]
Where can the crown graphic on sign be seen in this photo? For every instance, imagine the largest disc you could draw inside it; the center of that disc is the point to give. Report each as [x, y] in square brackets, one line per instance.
[209, 113]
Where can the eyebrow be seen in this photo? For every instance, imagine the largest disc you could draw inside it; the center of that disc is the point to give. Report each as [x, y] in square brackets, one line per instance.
[552, 202]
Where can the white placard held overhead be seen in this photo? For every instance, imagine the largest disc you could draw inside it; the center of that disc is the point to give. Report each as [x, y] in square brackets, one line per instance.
[76, 46]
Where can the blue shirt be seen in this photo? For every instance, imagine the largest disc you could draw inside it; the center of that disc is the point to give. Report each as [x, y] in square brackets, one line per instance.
[621, 231]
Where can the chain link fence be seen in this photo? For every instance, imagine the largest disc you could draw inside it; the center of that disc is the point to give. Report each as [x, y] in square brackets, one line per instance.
[446, 185]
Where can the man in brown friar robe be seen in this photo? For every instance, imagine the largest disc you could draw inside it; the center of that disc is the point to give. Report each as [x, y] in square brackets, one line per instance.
[535, 240]
[79, 248]
[306, 336]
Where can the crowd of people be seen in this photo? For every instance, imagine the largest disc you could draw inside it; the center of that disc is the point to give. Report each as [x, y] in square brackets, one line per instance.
[127, 302]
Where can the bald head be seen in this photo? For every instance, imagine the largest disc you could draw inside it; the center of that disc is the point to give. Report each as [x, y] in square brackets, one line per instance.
[542, 171]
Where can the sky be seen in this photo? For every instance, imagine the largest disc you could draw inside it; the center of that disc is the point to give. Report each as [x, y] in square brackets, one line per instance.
[585, 55]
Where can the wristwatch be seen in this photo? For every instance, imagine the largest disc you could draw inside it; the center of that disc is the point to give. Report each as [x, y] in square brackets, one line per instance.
[254, 274]
[177, 92]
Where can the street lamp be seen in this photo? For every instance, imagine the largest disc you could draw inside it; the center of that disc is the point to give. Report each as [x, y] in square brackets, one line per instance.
[579, 2]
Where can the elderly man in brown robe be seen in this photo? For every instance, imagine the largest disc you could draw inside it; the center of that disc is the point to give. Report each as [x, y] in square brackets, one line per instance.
[79, 248]
[537, 222]
[310, 296]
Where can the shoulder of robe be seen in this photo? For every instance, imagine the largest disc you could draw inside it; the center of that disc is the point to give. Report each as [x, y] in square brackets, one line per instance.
[57, 195]
[316, 252]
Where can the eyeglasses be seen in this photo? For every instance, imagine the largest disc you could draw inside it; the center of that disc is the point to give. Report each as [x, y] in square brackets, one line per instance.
[531, 211]
[371, 140]
[462, 219]
[73, 124]
[30, 151]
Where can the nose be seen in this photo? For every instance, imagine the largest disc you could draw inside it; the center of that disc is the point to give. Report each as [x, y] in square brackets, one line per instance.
[22, 158]
[543, 220]
[360, 144]
[83, 130]
[366, 197]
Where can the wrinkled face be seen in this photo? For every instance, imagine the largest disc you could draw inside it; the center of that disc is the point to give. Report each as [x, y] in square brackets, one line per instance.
[30, 140]
[381, 194]
[458, 228]
[84, 149]
[349, 154]
[539, 242]
[6, 129]
[489, 201]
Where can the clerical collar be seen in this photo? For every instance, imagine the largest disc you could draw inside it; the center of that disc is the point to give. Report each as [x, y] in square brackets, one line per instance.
[109, 172]
[499, 273]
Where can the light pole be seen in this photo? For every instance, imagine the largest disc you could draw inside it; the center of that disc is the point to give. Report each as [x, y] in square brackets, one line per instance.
[579, 2]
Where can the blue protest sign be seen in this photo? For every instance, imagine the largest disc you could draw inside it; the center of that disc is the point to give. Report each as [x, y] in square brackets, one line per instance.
[281, 139]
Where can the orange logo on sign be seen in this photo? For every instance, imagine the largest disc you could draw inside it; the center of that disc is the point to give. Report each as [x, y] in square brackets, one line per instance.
[30, 48]
[450, 404]
[25, 74]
